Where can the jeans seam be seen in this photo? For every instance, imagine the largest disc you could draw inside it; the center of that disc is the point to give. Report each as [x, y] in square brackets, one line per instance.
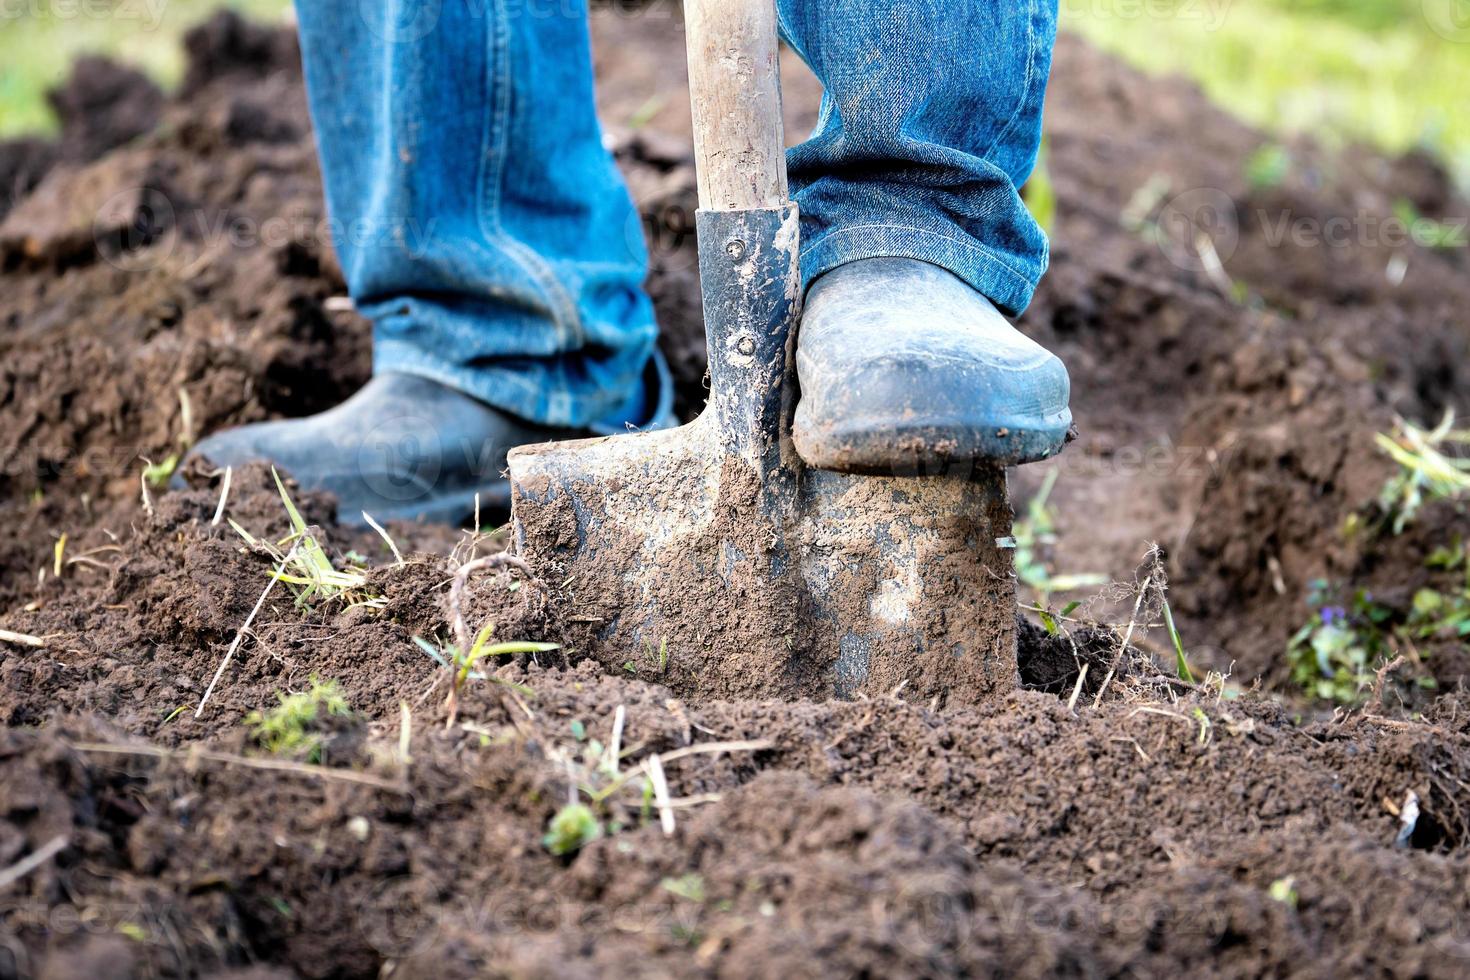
[564, 315]
[969, 244]
[1025, 85]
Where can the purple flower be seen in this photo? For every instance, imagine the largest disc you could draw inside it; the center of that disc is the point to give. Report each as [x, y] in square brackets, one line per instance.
[1333, 614]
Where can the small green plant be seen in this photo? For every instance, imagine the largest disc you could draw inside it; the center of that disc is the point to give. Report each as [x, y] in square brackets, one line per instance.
[291, 728]
[1425, 471]
[462, 664]
[1443, 614]
[689, 887]
[607, 795]
[157, 475]
[1268, 166]
[1033, 534]
[1332, 656]
[572, 828]
[1181, 663]
[305, 567]
[1283, 890]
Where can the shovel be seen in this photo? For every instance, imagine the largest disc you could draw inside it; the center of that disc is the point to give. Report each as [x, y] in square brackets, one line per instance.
[709, 557]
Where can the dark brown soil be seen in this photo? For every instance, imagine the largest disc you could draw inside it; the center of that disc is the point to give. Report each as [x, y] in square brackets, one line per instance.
[1148, 828]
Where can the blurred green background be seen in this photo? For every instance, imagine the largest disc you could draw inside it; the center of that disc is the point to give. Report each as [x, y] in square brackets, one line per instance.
[1395, 73]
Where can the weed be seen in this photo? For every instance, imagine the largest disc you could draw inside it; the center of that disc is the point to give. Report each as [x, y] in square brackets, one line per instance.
[1425, 471]
[1268, 166]
[1433, 613]
[1205, 725]
[661, 655]
[573, 827]
[461, 664]
[1283, 890]
[449, 656]
[1181, 663]
[690, 887]
[290, 728]
[603, 793]
[133, 931]
[305, 566]
[1332, 656]
[157, 475]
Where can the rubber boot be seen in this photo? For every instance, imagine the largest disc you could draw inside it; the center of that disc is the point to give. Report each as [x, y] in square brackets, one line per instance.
[402, 448]
[904, 368]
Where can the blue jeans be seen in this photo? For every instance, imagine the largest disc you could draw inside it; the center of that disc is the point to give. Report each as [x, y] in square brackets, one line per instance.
[486, 232]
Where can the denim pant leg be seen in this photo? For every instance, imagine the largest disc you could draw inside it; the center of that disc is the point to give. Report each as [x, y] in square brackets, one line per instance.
[930, 121]
[481, 224]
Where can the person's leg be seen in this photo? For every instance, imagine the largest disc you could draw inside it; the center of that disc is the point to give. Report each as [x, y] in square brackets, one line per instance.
[482, 225]
[485, 231]
[930, 122]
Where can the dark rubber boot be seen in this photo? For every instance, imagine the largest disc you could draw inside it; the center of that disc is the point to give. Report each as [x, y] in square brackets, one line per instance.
[904, 368]
[402, 448]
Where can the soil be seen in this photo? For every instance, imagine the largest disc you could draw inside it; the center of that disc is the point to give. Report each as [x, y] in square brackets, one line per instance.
[1104, 819]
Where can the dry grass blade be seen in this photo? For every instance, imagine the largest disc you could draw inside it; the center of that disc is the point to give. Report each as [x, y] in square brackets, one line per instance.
[34, 860]
[392, 546]
[22, 639]
[1077, 689]
[707, 748]
[235, 643]
[655, 771]
[224, 496]
[225, 758]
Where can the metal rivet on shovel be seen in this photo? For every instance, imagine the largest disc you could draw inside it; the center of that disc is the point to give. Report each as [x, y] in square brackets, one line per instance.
[709, 557]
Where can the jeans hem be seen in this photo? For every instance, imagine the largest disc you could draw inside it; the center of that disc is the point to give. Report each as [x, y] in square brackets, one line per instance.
[983, 269]
[516, 392]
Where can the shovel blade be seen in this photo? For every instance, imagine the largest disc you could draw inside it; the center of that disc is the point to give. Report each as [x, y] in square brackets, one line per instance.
[684, 564]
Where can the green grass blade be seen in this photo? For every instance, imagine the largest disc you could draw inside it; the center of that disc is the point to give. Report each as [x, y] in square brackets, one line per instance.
[1181, 663]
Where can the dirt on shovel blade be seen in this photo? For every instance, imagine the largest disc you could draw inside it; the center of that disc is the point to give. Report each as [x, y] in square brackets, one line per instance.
[1109, 819]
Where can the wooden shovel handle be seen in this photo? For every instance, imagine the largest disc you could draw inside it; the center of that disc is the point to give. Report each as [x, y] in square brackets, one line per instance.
[735, 91]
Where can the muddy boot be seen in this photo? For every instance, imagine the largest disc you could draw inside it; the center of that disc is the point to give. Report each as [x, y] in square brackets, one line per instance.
[904, 368]
[402, 448]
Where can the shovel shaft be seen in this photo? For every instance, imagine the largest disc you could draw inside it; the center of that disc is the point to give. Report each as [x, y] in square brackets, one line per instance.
[735, 90]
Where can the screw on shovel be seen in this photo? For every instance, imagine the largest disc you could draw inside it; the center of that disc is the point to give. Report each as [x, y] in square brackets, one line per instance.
[709, 557]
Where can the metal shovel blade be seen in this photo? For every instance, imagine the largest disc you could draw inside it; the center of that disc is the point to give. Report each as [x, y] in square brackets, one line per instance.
[709, 558]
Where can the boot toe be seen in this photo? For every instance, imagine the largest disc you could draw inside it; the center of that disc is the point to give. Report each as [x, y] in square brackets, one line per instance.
[904, 368]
